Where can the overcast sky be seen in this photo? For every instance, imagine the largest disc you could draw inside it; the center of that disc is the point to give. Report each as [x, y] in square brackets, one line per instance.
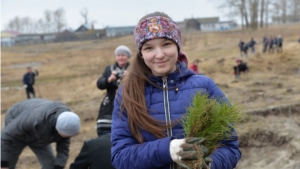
[109, 12]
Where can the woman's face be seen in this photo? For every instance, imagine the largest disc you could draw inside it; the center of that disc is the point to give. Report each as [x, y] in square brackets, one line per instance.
[160, 55]
[122, 60]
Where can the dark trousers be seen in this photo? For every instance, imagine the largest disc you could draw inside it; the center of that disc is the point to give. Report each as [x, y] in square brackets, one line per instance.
[29, 90]
[279, 48]
[236, 71]
[11, 150]
[265, 48]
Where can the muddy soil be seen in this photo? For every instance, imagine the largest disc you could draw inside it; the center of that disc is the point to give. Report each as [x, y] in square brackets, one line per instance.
[270, 138]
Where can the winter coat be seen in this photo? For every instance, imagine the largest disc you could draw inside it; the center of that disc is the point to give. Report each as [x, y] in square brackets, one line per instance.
[94, 154]
[194, 68]
[166, 104]
[279, 41]
[241, 45]
[252, 43]
[32, 122]
[243, 67]
[107, 104]
[28, 78]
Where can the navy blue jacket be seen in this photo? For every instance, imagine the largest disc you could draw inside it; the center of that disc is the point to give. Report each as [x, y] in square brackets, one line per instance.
[28, 78]
[154, 153]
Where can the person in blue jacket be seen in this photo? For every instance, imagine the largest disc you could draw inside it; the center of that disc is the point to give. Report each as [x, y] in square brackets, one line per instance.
[152, 99]
[28, 81]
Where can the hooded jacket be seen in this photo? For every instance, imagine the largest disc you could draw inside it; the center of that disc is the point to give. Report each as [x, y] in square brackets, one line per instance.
[166, 104]
[95, 153]
[32, 122]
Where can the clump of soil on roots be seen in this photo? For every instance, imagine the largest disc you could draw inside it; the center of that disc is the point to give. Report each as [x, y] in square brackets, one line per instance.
[196, 164]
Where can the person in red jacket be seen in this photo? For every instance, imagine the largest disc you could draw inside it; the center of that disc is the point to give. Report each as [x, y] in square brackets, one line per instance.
[194, 66]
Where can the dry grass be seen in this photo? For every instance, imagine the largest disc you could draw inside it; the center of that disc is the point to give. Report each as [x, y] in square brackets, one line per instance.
[69, 71]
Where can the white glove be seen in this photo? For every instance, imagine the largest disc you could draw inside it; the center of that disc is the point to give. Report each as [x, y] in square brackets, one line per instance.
[25, 86]
[175, 148]
[185, 149]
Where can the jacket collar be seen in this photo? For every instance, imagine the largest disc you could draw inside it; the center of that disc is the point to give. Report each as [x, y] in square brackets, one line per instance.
[116, 65]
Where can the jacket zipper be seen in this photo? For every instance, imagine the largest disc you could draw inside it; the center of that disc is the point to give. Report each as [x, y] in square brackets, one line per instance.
[167, 109]
[167, 106]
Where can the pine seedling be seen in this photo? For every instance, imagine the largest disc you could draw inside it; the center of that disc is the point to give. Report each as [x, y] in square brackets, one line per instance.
[210, 119]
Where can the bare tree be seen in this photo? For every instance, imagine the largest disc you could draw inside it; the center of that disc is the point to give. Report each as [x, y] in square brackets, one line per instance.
[52, 22]
[267, 9]
[244, 12]
[84, 14]
[236, 7]
[295, 10]
[283, 4]
[24, 25]
[257, 12]
[262, 13]
[253, 4]
[58, 19]
[48, 21]
[28, 25]
[15, 24]
[244, 9]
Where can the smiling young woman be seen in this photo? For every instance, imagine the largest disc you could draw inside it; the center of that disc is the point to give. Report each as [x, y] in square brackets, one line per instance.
[160, 55]
[152, 99]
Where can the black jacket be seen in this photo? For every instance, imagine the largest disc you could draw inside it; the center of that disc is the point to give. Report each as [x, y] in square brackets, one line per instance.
[94, 154]
[107, 104]
[28, 78]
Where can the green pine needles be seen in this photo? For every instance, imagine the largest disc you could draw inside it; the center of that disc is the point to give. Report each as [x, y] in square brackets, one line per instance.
[210, 119]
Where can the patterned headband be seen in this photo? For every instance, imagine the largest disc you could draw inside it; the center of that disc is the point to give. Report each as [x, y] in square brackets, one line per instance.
[156, 27]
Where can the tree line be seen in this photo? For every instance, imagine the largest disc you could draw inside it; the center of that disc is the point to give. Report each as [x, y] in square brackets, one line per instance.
[256, 13]
[253, 14]
[52, 21]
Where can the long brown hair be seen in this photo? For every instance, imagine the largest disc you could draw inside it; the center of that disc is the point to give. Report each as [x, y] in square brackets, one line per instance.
[133, 97]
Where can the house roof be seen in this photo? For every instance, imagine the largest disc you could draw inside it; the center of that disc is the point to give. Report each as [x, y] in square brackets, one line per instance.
[9, 34]
[204, 20]
[87, 26]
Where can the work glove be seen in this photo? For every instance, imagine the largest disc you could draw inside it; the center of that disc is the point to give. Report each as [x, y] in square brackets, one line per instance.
[25, 86]
[185, 149]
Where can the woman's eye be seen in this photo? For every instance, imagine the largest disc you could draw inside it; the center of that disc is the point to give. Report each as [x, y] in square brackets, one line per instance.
[167, 44]
[147, 48]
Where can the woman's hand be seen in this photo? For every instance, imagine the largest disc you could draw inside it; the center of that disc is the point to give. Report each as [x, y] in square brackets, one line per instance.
[112, 77]
[185, 149]
[125, 73]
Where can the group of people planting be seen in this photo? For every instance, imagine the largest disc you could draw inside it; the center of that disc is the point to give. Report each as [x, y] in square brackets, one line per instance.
[270, 44]
[138, 121]
[245, 46]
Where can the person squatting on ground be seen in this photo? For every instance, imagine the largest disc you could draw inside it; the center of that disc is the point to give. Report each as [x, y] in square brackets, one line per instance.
[95, 153]
[28, 81]
[37, 123]
[241, 67]
[153, 97]
[194, 66]
[111, 79]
